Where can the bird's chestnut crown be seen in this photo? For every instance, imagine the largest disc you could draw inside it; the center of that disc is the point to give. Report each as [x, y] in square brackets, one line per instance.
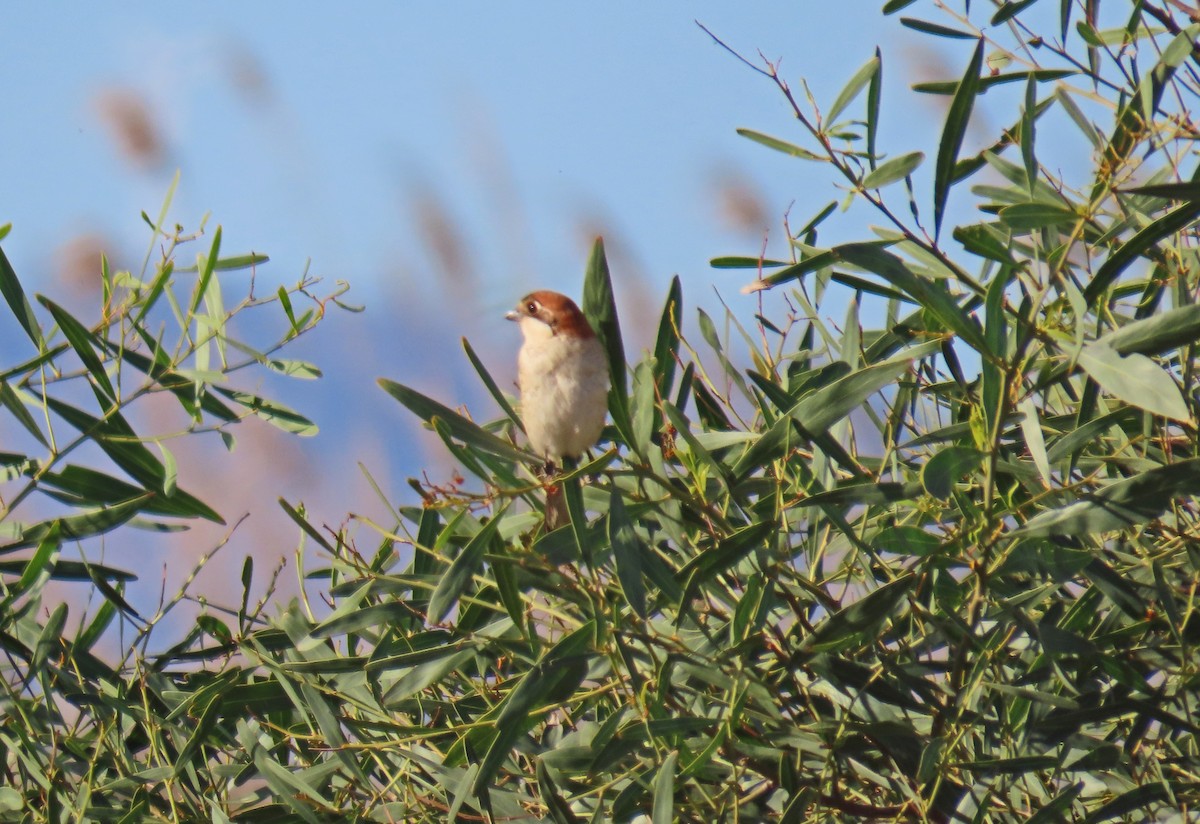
[555, 310]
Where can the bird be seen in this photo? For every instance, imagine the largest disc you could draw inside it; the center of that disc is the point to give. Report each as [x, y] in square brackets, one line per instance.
[562, 375]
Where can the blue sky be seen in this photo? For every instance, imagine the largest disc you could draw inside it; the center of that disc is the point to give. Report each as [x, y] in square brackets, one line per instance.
[514, 132]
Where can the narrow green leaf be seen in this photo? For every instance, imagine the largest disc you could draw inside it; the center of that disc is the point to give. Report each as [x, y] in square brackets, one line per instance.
[874, 96]
[81, 486]
[1135, 379]
[170, 470]
[272, 412]
[492, 388]
[1138, 245]
[743, 262]
[39, 568]
[461, 571]
[554, 672]
[558, 808]
[1008, 10]
[1157, 334]
[851, 90]
[465, 429]
[663, 810]
[986, 240]
[858, 623]
[12, 402]
[909, 541]
[295, 369]
[600, 308]
[930, 294]
[892, 170]
[1028, 217]
[1119, 505]
[1031, 428]
[666, 344]
[990, 80]
[952, 135]
[627, 553]
[206, 273]
[77, 527]
[81, 341]
[941, 472]
[778, 145]
[935, 29]
[1029, 115]
[793, 272]
[1188, 190]
[10, 287]
[1056, 808]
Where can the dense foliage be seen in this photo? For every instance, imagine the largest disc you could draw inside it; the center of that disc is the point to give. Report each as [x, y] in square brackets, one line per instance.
[934, 562]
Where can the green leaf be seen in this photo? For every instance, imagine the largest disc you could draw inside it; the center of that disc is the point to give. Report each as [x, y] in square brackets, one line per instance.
[816, 412]
[742, 262]
[600, 308]
[1135, 379]
[462, 428]
[892, 170]
[553, 673]
[11, 401]
[556, 805]
[1137, 246]
[941, 472]
[210, 262]
[272, 412]
[1119, 505]
[462, 570]
[930, 294]
[666, 344]
[81, 486]
[935, 29]
[627, 553]
[114, 435]
[76, 527]
[295, 369]
[1031, 428]
[1186, 190]
[778, 145]
[1028, 217]
[81, 341]
[952, 135]
[986, 240]
[10, 287]
[39, 568]
[1008, 10]
[857, 624]
[852, 89]
[988, 81]
[874, 96]
[1157, 334]
[663, 810]
[492, 388]
[793, 272]
[909, 541]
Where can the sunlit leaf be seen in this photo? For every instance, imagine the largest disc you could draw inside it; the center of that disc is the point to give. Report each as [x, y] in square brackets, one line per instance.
[1135, 379]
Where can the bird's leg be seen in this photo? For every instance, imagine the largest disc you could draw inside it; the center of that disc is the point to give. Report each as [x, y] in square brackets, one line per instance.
[556, 504]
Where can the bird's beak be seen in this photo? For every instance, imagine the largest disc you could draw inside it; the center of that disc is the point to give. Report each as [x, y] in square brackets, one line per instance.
[513, 315]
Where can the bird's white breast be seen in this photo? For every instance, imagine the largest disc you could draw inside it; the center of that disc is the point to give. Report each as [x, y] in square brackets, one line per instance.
[564, 391]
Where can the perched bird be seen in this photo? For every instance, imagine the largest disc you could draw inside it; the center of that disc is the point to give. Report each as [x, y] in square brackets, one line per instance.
[562, 373]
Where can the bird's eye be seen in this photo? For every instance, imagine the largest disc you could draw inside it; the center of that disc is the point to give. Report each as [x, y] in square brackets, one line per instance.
[531, 307]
